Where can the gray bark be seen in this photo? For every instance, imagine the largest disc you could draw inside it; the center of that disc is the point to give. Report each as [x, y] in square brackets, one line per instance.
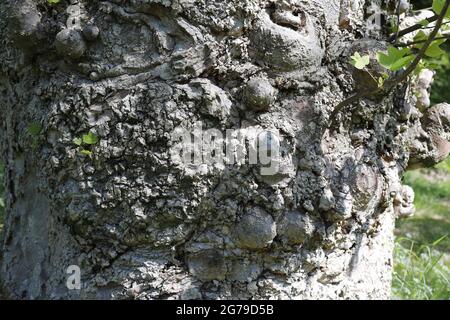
[140, 225]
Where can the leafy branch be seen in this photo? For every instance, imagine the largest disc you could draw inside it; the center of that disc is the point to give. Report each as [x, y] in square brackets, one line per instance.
[404, 75]
[412, 28]
[412, 43]
[397, 59]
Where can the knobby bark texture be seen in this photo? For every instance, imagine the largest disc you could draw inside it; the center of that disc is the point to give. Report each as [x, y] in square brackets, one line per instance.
[141, 225]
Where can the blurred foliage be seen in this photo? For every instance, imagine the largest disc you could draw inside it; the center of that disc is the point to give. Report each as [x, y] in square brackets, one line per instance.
[421, 4]
[440, 91]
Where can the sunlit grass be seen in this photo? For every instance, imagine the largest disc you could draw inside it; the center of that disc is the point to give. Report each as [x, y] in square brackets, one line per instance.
[432, 201]
[420, 272]
[422, 252]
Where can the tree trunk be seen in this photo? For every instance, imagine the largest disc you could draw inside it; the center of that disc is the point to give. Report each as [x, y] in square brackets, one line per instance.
[142, 222]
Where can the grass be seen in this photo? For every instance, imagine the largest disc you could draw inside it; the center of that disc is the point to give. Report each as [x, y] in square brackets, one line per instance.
[420, 272]
[422, 254]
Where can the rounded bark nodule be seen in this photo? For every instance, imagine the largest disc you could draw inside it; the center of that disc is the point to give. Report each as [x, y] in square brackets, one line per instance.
[109, 83]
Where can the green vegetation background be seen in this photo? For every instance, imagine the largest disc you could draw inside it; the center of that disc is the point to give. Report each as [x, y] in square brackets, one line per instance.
[422, 254]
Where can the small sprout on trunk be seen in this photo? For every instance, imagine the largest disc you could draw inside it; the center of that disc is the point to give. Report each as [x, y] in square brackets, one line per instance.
[33, 130]
[360, 62]
[86, 142]
[90, 138]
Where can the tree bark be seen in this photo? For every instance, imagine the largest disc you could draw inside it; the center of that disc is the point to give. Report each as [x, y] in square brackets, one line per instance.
[141, 225]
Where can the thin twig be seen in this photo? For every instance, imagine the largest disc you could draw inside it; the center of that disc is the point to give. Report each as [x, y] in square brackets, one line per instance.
[443, 23]
[407, 44]
[411, 29]
[397, 32]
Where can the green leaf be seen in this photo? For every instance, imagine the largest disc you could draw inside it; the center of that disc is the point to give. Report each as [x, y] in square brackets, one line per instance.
[438, 6]
[393, 58]
[34, 129]
[421, 65]
[86, 152]
[400, 63]
[424, 22]
[360, 62]
[434, 51]
[53, 1]
[77, 141]
[90, 138]
[445, 26]
[394, 26]
[384, 59]
[420, 36]
[438, 241]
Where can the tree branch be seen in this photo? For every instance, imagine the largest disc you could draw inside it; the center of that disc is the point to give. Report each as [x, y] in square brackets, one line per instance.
[397, 32]
[411, 29]
[407, 44]
[389, 84]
